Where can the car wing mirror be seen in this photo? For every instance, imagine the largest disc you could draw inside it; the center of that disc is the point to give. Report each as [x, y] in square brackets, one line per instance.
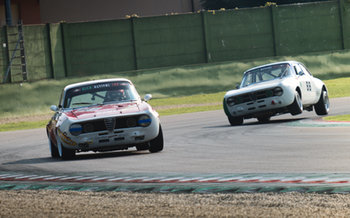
[54, 108]
[147, 97]
[237, 86]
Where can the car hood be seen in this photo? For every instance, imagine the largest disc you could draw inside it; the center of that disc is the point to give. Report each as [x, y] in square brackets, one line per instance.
[255, 87]
[107, 110]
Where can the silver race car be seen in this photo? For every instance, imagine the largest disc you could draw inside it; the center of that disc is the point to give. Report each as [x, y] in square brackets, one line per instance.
[273, 89]
[103, 115]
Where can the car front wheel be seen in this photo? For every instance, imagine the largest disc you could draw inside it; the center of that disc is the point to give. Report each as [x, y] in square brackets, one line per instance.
[53, 150]
[142, 147]
[297, 106]
[156, 144]
[235, 121]
[65, 154]
[322, 106]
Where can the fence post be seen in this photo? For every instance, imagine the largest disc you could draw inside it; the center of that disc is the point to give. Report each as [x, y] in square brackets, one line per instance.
[275, 37]
[205, 36]
[341, 20]
[48, 31]
[64, 50]
[132, 21]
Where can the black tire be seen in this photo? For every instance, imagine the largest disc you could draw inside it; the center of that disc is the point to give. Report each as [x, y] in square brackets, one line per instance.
[235, 121]
[142, 147]
[297, 106]
[53, 150]
[65, 154]
[264, 119]
[157, 144]
[322, 106]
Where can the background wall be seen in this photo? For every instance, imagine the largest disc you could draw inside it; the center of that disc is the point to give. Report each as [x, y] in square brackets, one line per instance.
[75, 49]
[87, 10]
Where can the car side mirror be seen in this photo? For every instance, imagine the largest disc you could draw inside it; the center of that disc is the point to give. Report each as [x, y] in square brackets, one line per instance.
[147, 97]
[237, 86]
[54, 108]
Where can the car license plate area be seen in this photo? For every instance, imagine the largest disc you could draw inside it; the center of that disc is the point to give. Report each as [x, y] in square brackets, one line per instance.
[253, 105]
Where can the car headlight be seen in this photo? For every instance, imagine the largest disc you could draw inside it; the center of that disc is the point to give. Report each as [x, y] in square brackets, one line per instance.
[231, 101]
[75, 129]
[144, 121]
[278, 91]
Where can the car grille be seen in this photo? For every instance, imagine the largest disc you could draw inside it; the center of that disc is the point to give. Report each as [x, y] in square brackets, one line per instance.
[253, 96]
[109, 124]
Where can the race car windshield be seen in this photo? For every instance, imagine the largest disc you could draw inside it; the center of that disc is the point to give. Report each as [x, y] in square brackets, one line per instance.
[100, 93]
[264, 74]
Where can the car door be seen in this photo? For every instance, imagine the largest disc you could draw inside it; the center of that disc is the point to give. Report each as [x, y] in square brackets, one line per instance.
[312, 87]
[306, 84]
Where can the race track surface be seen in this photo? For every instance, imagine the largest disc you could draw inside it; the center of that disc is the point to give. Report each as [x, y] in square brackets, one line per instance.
[203, 143]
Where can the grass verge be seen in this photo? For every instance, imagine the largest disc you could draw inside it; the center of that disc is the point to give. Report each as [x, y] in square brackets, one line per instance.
[338, 118]
[187, 104]
[202, 87]
[23, 125]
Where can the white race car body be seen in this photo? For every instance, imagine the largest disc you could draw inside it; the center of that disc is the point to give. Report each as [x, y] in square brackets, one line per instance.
[277, 88]
[102, 125]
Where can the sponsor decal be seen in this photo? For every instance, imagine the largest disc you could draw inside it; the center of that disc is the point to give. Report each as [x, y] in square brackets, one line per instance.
[86, 88]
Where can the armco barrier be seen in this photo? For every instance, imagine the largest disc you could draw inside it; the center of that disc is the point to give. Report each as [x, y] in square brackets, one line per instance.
[100, 47]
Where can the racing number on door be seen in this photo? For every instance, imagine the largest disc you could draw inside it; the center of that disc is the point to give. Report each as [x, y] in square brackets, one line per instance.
[308, 86]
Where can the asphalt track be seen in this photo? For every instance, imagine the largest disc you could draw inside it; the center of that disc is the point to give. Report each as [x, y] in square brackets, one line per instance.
[202, 149]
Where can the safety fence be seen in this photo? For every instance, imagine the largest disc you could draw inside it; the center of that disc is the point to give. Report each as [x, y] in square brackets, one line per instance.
[88, 48]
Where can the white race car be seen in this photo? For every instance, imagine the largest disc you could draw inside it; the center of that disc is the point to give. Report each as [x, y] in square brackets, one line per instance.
[273, 89]
[103, 115]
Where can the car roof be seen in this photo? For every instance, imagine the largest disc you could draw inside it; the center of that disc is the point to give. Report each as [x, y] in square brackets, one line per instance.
[266, 65]
[74, 85]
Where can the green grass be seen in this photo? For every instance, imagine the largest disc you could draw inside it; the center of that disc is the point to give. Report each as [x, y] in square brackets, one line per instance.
[194, 87]
[36, 97]
[340, 118]
[189, 109]
[23, 125]
[192, 99]
[196, 103]
[338, 87]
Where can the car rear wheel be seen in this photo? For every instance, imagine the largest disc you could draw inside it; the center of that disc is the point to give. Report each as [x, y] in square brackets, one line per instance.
[157, 144]
[322, 106]
[297, 106]
[235, 121]
[65, 153]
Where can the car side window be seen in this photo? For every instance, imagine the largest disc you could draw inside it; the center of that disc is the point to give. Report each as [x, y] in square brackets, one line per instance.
[305, 70]
[290, 71]
[298, 70]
